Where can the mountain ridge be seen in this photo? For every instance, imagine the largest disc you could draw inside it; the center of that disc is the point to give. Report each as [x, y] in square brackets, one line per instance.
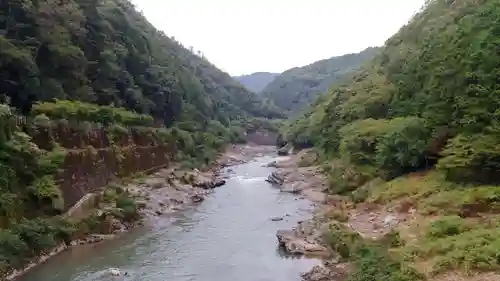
[256, 81]
[297, 87]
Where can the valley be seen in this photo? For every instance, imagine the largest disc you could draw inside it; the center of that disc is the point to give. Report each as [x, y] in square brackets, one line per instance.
[125, 154]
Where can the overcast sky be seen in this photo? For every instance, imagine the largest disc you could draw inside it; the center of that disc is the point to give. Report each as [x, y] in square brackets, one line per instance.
[246, 36]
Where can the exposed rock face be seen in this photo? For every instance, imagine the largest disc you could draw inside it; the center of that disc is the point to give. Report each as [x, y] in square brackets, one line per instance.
[275, 178]
[284, 151]
[209, 183]
[325, 273]
[295, 188]
[272, 165]
[172, 189]
[298, 245]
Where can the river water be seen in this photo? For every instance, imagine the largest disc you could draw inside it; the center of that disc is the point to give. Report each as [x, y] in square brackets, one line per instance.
[227, 237]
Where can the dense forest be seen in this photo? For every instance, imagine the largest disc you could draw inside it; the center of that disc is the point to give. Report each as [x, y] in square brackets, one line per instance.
[105, 52]
[418, 126]
[257, 81]
[296, 88]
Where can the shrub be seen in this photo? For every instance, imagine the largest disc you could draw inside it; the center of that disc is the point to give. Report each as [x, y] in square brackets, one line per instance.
[360, 139]
[372, 263]
[344, 177]
[447, 226]
[392, 239]
[403, 145]
[339, 215]
[13, 249]
[42, 120]
[81, 111]
[44, 189]
[473, 158]
[359, 195]
[29, 238]
[128, 208]
[342, 241]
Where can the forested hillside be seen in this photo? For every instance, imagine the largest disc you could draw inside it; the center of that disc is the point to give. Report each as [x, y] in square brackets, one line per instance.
[418, 128]
[91, 92]
[105, 52]
[298, 87]
[256, 81]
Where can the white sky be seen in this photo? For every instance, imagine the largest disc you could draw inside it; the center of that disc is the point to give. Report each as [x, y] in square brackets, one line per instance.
[246, 36]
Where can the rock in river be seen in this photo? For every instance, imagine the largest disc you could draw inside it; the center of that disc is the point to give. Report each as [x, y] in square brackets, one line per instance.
[210, 184]
[275, 178]
[284, 151]
[325, 273]
[297, 245]
[294, 188]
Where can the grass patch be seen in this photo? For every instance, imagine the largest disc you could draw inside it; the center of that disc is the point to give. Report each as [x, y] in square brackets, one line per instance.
[410, 186]
[372, 263]
[448, 226]
[468, 251]
[464, 200]
[435, 195]
[371, 259]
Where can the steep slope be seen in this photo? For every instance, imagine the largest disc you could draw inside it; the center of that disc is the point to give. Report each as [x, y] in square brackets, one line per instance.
[296, 88]
[415, 134]
[105, 52]
[257, 81]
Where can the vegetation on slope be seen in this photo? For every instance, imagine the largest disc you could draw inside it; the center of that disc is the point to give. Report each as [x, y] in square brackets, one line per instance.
[427, 103]
[105, 52]
[30, 200]
[298, 87]
[257, 81]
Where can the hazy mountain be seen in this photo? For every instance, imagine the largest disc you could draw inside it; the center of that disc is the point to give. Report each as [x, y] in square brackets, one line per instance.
[296, 88]
[256, 81]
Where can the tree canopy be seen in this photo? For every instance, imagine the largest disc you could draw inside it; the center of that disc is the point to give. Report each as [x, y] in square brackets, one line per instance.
[440, 70]
[107, 53]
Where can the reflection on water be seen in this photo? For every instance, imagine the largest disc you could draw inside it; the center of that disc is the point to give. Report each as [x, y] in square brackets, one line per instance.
[227, 237]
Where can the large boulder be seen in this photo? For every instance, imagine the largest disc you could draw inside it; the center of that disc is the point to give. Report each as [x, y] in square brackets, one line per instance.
[275, 178]
[284, 151]
[325, 273]
[296, 245]
[295, 188]
[208, 182]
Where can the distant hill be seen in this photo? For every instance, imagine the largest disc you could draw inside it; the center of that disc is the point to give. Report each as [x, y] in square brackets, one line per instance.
[298, 87]
[256, 81]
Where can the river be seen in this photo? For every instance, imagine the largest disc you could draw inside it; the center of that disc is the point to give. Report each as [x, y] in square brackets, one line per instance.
[229, 236]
